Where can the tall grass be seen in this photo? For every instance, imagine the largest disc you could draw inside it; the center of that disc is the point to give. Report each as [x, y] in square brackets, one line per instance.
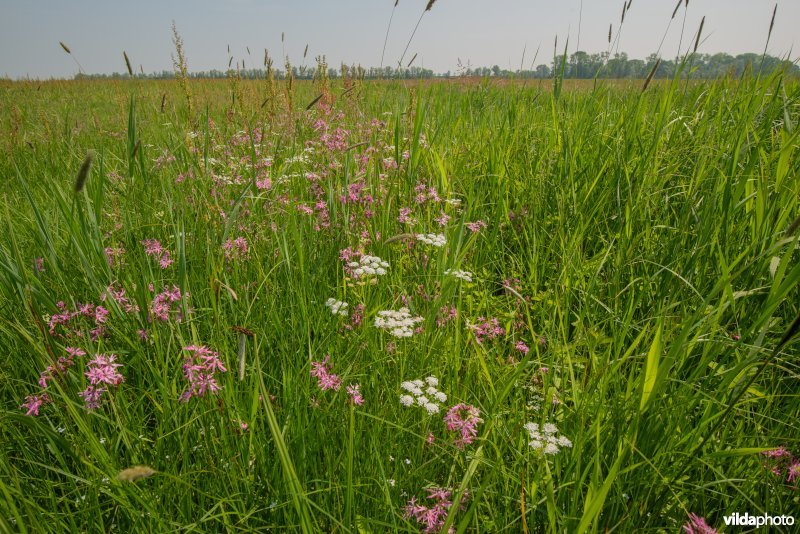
[647, 230]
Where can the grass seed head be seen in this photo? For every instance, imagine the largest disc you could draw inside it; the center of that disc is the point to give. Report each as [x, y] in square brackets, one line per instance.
[699, 34]
[132, 474]
[83, 172]
[677, 8]
[128, 63]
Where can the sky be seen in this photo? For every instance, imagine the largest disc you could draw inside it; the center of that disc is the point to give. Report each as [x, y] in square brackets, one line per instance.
[507, 33]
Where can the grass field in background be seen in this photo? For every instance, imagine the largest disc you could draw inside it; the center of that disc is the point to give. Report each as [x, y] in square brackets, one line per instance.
[616, 355]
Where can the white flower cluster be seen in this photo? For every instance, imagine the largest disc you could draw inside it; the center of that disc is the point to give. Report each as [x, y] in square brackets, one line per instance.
[399, 323]
[302, 159]
[545, 438]
[423, 394]
[436, 240]
[337, 307]
[461, 275]
[368, 266]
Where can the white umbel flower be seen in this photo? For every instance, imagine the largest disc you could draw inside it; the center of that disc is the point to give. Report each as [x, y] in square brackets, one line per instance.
[430, 398]
[337, 307]
[461, 275]
[368, 266]
[545, 438]
[435, 240]
[399, 323]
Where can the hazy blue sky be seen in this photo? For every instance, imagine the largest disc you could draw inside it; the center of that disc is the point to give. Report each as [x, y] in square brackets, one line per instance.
[483, 32]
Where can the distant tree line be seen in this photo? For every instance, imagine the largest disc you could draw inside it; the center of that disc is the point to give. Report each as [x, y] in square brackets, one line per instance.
[580, 65]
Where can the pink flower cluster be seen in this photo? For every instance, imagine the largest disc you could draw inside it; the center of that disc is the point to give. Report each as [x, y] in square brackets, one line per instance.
[336, 140]
[200, 368]
[152, 247]
[464, 419]
[325, 378]
[162, 304]
[405, 216]
[698, 525]
[783, 463]
[446, 314]
[236, 249]
[476, 226]
[356, 318]
[432, 517]
[61, 366]
[356, 194]
[354, 390]
[264, 183]
[67, 320]
[101, 370]
[488, 329]
[117, 294]
[425, 193]
[33, 403]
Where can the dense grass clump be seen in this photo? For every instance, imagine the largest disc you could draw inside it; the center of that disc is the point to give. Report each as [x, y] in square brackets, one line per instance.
[351, 306]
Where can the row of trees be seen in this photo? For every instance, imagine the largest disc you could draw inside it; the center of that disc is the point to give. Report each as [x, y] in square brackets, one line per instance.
[580, 65]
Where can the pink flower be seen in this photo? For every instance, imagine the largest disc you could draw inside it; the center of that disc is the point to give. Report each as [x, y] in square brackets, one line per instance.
[61, 366]
[404, 216]
[432, 517]
[305, 209]
[33, 403]
[235, 249]
[356, 318]
[793, 472]
[118, 296]
[697, 525]
[91, 397]
[488, 329]
[100, 315]
[443, 219]
[446, 314]
[522, 347]
[476, 226]
[152, 247]
[354, 390]
[322, 372]
[777, 452]
[162, 304]
[264, 183]
[348, 254]
[72, 352]
[464, 419]
[100, 370]
[103, 370]
[38, 265]
[200, 368]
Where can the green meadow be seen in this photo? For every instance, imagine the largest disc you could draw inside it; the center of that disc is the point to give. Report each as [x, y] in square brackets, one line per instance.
[216, 298]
